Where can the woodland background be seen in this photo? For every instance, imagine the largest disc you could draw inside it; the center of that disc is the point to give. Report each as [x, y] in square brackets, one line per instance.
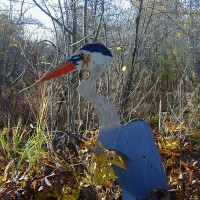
[45, 130]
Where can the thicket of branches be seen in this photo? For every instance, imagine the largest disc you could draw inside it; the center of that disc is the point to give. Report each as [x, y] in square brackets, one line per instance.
[156, 58]
[155, 74]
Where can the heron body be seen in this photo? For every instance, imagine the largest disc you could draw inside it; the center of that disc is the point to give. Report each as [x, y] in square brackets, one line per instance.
[144, 167]
[134, 140]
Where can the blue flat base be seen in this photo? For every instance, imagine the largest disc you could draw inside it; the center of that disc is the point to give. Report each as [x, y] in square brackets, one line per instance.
[144, 167]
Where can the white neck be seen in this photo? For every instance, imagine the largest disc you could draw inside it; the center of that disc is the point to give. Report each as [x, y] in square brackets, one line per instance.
[108, 117]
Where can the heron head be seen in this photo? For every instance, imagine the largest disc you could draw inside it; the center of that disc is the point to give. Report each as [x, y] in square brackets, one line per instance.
[87, 58]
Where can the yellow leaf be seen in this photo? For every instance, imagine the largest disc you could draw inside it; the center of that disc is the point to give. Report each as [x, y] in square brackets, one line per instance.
[119, 48]
[175, 144]
[124, 68]
[168, 146]
[4, 177]
[178, 34]
[119, 164]
[33, 184]
[171, 144]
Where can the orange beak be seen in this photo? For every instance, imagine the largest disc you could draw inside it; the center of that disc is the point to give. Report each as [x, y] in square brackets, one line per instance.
[61, 69]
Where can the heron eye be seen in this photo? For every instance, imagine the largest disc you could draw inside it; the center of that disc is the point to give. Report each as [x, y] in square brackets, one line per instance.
[81, 54]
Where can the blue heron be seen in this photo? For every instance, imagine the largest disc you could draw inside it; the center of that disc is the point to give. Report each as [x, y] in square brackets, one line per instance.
[145, 171]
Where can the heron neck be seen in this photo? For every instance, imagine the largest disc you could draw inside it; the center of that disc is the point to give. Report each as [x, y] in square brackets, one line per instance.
[108, 117]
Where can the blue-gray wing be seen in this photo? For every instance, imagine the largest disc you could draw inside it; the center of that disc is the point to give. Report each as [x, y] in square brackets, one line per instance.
[144, 167]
